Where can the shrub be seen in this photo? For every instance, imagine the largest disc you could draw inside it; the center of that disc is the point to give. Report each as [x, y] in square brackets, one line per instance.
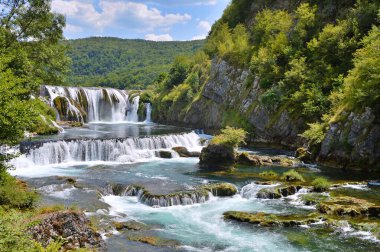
[14, 194]
[230, 136]
[268, 174]
[320, 184]
[292, 175]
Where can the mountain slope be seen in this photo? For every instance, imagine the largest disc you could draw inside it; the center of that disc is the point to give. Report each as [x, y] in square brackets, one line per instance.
[122, 63]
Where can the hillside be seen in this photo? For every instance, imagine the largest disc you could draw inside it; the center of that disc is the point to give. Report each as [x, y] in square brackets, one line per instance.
[122, 63]
[293, 73]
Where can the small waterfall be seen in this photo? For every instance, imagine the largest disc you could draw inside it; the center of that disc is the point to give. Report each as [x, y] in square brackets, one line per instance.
[111, 150]
[92, 104]
[200, 194]
[133, 109]
[148, 113]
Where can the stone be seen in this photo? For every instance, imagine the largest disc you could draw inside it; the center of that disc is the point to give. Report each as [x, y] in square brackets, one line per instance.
[183, 152]
[71, 225]
[165, 154]
[266, 219]
[130, 225]
[303, 154]
[348, 206]
[217, 157]
[278, 192]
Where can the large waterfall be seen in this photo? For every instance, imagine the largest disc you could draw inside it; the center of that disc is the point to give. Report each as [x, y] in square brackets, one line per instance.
[92, 104]
[111, 150]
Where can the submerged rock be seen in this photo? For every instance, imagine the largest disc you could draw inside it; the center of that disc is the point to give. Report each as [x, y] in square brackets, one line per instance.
[266, 219]
[130, 225]
[72, 226]
[278, 192]
[217, 157]
[153, 240]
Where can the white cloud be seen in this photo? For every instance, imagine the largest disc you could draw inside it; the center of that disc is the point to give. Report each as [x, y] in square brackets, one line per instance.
[73, 28]
[199, 37]
[204, 26]
[119, 13]
[160, 37]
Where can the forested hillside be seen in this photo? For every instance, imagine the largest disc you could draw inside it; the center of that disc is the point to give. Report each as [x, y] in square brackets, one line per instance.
[286, 69]
[122, 63]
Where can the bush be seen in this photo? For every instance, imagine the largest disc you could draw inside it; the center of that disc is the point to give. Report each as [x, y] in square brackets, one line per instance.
[320, 184]
[230, 136]
[292, 175]
[14, 194]
[269, 174]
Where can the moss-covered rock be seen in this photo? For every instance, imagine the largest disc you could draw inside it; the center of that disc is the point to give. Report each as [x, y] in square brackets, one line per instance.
[130, 225]
[311, 199]
[266, 219]
[278, 192]
[221, 189]
[217, 157]
[349, 206]
[153, 240]
[303, 154]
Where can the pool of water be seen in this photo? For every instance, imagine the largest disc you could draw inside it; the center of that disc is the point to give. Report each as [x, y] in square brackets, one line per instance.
[198, 227]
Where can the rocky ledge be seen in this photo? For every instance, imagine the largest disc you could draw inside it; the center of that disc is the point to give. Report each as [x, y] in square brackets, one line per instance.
[70, 226]
[278, 192]
[199, 195]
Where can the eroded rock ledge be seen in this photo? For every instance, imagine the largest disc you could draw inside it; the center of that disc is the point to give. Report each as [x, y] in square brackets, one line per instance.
[199, 195]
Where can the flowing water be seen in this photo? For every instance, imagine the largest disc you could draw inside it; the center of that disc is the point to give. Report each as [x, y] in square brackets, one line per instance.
[108, 153]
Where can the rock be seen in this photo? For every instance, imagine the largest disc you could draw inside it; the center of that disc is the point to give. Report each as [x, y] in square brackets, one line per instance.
[183, 152]
[348, 206]
[165, 154]
[245, 159]
[153, 240]
[198, 195]
[312, 199]
[221, 189]
[72, 226]
[266, 219]
[217, 157]
[303, 154]
[277, 192]
[130, 225]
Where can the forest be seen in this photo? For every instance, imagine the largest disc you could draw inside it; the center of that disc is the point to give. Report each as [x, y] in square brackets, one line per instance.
[122, 63]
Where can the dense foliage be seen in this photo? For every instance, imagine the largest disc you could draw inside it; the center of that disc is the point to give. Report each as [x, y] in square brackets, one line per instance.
[313, 58]
[231, 137]
[30, 55]
[122, 63]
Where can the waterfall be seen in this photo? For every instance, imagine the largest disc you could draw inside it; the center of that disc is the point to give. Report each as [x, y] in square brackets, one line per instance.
[127, 150]
[133, 109]
[148, 113]
[92, 104]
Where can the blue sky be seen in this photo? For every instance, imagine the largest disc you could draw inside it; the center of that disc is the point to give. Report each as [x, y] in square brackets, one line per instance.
[159, 20]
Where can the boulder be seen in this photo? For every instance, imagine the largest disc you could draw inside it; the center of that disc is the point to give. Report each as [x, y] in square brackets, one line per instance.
[130, 225]
[277, 192]
[245, 159]
[349, 206]
[183, 152]
[72, 226]
[164, 154]
[303, 154]
[217, 157]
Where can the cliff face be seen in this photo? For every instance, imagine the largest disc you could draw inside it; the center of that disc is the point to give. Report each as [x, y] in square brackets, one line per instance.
[353, 142]
[232, 97]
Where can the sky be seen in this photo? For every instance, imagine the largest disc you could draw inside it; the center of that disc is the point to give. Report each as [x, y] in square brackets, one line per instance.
[158, 20]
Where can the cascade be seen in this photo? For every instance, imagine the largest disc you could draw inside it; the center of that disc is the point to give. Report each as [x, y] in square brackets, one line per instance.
[148, 118]
[111, 150]
[92, 104]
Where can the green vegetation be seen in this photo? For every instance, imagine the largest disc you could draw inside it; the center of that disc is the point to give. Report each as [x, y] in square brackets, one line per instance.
[292, 175]
[312, 59]
[230, 137]
[30, 55]
[269, 175]
[122, 63]
[320, 184]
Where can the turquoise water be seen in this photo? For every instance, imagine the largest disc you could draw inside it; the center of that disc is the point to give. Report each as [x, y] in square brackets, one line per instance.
[198, 227]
